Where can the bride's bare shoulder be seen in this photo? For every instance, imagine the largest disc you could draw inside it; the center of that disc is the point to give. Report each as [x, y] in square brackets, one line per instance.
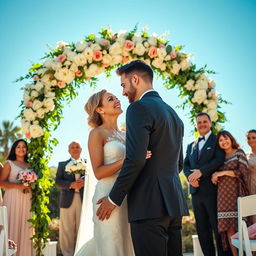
[97, 133]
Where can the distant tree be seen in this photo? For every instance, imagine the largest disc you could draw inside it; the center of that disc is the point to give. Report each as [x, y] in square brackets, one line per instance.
[8, 134]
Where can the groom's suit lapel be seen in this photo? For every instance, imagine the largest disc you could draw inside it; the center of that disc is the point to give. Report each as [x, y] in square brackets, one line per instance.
[207, 145]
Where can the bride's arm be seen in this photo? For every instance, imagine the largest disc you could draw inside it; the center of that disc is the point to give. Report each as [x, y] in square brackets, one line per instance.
[95, 146]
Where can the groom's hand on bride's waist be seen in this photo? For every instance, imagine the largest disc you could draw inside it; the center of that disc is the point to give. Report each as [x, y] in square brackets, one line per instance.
[105, 209]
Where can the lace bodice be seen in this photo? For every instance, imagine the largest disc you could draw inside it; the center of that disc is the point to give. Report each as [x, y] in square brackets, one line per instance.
[114, 149]
[15, 169]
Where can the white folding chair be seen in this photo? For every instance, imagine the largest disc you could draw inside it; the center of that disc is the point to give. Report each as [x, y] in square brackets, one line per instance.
[246, 207]
[4, 250]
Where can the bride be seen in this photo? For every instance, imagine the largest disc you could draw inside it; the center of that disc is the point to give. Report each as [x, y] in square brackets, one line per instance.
[107, 151]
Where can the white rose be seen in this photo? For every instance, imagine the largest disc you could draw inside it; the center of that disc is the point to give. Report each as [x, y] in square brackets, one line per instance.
[41, 71]
[199, 96]
[40, 112]
[38, 86]
[167, 58]
[189, 84]
[26, 97]
[37, 104]
[157, 62]
[49, 103]
[80, 46]
[185, 64]
[163, 67]
[175, 68]
[107, 60]
[92, 70]
[211, 104]
[115, 49]
[88, 53]
[50, 95]
[218, 127]
[49, 63]
[61, 44]
[137, 39]
[116, 59]
[74, 68]
[65, 75]
[152, 41]
[29, 114]
[36, 131]
[213, 114]
[146, 44]
[70, 54]
[95, 47]
[211, 83]
[139, 49]
[25, 126]
[34, 94]
[80, 59]
[161, 52]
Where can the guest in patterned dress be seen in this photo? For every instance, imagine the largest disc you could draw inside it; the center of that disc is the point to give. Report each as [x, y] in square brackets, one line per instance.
[18, 203]
[231, 180]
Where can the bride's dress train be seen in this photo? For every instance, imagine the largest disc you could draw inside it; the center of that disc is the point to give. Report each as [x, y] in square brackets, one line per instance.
[110, 237]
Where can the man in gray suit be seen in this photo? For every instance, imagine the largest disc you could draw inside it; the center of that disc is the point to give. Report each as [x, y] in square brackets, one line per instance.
[71, 195]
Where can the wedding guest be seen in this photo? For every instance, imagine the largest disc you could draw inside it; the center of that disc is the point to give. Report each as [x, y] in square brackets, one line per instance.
[17, 202]
[203, 157]
[231, 183]
[251, 157]
[71, 195]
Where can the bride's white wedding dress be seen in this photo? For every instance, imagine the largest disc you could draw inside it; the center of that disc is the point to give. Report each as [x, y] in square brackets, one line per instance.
[110, 237]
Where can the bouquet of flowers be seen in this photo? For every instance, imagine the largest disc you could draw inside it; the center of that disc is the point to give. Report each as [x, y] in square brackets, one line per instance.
[76, 167]
[27, 178]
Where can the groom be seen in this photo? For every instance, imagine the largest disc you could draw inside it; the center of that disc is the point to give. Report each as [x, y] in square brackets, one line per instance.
[153, 188]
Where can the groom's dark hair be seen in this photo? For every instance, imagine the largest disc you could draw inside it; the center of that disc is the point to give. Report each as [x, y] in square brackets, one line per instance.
[139, 67]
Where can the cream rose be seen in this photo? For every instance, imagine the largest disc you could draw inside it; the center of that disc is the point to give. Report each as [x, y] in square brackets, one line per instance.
[157, 62]
[36, 131]
[80, 59]
[40, 112]
[37, 104]
[213, 114]
[175, 69]
[199, 96]
[65, 75]
[185, 64]
[152, 41]
[49, 103]
[25, 126]
[139, 49]
[211, 104]
[29, 114]
[38, 86]
[95, 47]
[34, 94]
[161, 52]
[189, 84]
[80, 46]
[115, 49]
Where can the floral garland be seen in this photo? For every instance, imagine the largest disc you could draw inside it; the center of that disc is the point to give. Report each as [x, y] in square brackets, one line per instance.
[69, 65]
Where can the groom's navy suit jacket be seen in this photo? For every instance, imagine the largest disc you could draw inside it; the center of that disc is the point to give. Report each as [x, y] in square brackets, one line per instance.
[63, 182]
[152, 186]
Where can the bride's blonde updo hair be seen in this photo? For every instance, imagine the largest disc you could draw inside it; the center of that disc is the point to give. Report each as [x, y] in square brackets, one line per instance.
[95, 101]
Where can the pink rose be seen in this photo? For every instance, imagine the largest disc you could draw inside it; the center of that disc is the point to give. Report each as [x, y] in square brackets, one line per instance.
[152, 53]
[125, 59]
[128, 45]
[173, 55]
[61, 58]
[79, 73]
[29, 104]
[61, 84]
[27, 135]
[35, 78]
[105, 43]
[97, 55]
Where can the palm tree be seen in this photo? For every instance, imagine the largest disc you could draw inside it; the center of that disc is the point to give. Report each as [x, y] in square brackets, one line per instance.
[8, 134]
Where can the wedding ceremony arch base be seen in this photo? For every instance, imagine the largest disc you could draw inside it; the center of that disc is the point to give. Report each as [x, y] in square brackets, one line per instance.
[54, 82]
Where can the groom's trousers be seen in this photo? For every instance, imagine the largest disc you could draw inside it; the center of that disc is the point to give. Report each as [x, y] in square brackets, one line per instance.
[161, 237]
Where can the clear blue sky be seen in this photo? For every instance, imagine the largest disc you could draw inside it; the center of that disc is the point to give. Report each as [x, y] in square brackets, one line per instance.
[218, 33]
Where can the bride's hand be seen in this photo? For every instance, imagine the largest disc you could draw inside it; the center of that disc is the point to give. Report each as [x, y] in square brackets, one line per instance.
[149, 154]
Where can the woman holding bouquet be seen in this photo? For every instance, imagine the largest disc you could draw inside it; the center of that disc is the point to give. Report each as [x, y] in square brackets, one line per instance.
[18, 202]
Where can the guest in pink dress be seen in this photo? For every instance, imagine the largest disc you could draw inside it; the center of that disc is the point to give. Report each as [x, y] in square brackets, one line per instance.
[17, 202]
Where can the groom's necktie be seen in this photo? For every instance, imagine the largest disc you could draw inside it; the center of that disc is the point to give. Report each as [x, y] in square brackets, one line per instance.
[199, 151]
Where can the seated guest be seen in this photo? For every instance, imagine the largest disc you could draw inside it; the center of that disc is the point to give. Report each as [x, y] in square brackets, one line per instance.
[231, 180]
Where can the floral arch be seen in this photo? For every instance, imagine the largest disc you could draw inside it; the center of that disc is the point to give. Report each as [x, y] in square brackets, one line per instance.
[70, 65]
